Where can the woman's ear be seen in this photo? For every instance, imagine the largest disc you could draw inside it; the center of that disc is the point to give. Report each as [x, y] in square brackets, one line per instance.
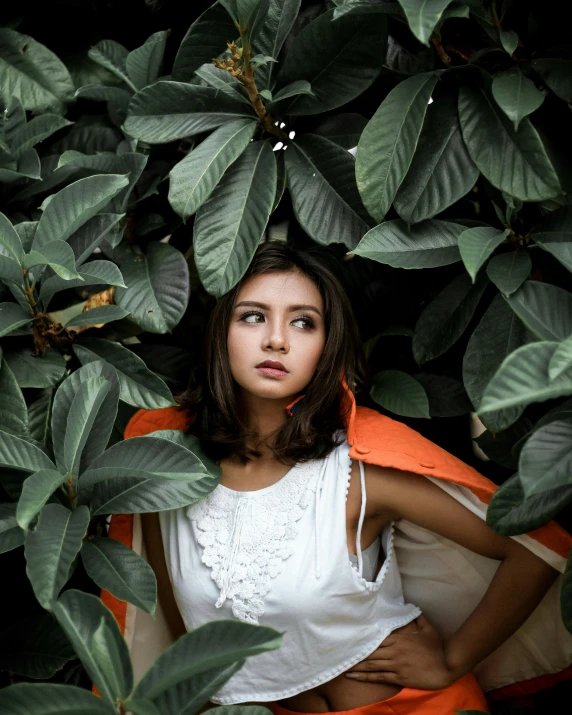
[293, 406]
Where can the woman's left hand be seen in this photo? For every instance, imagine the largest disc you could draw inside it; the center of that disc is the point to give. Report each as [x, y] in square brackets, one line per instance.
[412, 658]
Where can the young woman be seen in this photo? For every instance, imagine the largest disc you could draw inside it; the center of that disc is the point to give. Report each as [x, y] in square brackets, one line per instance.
[317, 504]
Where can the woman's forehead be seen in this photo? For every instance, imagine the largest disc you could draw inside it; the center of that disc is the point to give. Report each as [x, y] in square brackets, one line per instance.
[278, 289]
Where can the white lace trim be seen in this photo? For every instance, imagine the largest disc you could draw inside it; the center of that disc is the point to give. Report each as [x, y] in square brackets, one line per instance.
[246, 539]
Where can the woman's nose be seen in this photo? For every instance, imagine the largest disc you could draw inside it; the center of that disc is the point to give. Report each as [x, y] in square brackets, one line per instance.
[276, 338]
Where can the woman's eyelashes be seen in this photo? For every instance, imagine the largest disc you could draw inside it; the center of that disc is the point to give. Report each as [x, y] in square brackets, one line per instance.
[308, 322]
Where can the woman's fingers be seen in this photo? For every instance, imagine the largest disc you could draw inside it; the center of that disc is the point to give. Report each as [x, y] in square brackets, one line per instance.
[378, 677]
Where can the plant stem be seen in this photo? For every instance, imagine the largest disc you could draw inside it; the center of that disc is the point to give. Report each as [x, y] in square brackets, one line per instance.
[445, 59]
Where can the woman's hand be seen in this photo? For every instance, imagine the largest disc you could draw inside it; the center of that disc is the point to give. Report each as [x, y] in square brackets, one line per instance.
[412, 656]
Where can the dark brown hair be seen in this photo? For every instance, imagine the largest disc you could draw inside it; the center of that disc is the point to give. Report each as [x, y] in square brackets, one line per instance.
[212, 399]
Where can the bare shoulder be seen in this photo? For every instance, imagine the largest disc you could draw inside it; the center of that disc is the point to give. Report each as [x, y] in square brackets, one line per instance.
[388, 488]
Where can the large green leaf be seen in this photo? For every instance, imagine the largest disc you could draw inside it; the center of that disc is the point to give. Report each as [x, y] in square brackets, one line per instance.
[422, 17]
[87, 238]
[146, 458]
[223, 80]
[193, 179]
[477, 244]
[546, 310]
[447, 396]
[228, 227]
[119, 570]
[32, 73]
[51, 549]
[36, 491]
[17, 453]
[170, 110]
[425, 245]
[516, 95]
[446, 318]
[158, 287]
[280, 17]
[441, 171]
[35, 131]
[556, 74]
[514, 162]
[554, 234]
[546, 459]
[511, 513]
[339, 59]
[97, 316]
[13, 411]
[11, 534]
[508, 271]
[71, 207]
[213, 645]
[10, 271]
[138, 385]
[497, 335]
[143, 65]
[561, 360]
[113, 57]
[40, 371]
[39, 413]
[321, 179]
[50, 699]
[387, 144]
[96, 638]
[523, 378]
[400, 393]
[206, 38]
[56, 254]
[10, 243]
[12, 317]
[91, 273]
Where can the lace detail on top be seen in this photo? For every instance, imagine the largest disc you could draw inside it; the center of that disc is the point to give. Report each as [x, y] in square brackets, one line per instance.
[246, 536]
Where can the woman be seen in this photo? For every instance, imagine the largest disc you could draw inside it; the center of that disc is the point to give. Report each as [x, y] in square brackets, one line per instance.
[268, 546]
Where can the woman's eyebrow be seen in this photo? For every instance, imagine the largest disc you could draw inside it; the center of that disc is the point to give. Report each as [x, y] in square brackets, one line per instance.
[291, 308]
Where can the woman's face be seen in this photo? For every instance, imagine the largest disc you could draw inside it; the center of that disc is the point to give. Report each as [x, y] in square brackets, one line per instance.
[278, 318]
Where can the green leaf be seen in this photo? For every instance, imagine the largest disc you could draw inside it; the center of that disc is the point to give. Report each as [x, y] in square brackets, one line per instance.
[10, 271]
[96, 638]
[138, 385]
[422, 17]
[11, 535]
[158, 287]
[35, 131]
[446, 318]
[56, 254]
[545, 460]
[447, 396]
[510, 513]
[514, 162]
[556, 74]
[97, 316]
[292, 90]
[387, 144]
[143, 65]
[141, 706]
[477, 244]
[32, 73]
[121, 571]
[400, 393]
[39, 413]
[321, 179]
[212, 645]
[92, 273]
[71, 207]
[40, 371]
[36, 491]
[441, 171]
[26, 231]
[194, 178]
[49, 699]
[425, 245]
[509, 41]
[280, 17]
[228, 227]
[51, 549]
[145, 458]
[508, 271]
[523, 379]
[339, 59]
[554, 234]
[516, 95]
[566, 595]
[497, 335]
[561, 360]
[87, 238]
[171, 110]
[546, 310]
[113, 57]
[223, 80]
[206, 38]
[365, 7]
[193, 444]
[13, 411]
[12, 317]
[10, 243]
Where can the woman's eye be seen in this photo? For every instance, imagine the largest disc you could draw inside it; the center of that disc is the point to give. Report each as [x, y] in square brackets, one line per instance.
[306, 322]
[251, 317]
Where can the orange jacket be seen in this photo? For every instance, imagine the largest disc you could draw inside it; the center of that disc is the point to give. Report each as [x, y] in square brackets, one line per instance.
[444, 579]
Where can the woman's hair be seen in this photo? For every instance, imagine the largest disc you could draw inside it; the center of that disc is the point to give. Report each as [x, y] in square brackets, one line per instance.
[212, 400]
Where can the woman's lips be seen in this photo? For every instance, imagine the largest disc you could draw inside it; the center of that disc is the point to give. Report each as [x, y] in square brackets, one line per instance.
[271, 372]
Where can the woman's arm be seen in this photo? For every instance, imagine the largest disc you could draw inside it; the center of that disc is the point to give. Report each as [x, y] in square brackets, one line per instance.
[517, 588]
[156, 557]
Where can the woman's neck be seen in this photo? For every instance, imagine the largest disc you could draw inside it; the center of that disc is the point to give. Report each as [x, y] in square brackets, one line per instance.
[264, 417]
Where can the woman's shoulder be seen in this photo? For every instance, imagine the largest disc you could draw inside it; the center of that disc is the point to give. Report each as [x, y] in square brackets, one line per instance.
[146, 421]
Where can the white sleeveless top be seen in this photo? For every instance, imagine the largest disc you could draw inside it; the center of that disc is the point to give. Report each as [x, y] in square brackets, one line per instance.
[278, 556]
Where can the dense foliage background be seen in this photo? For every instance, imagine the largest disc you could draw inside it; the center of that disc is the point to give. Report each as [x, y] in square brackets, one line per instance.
[146, 148]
